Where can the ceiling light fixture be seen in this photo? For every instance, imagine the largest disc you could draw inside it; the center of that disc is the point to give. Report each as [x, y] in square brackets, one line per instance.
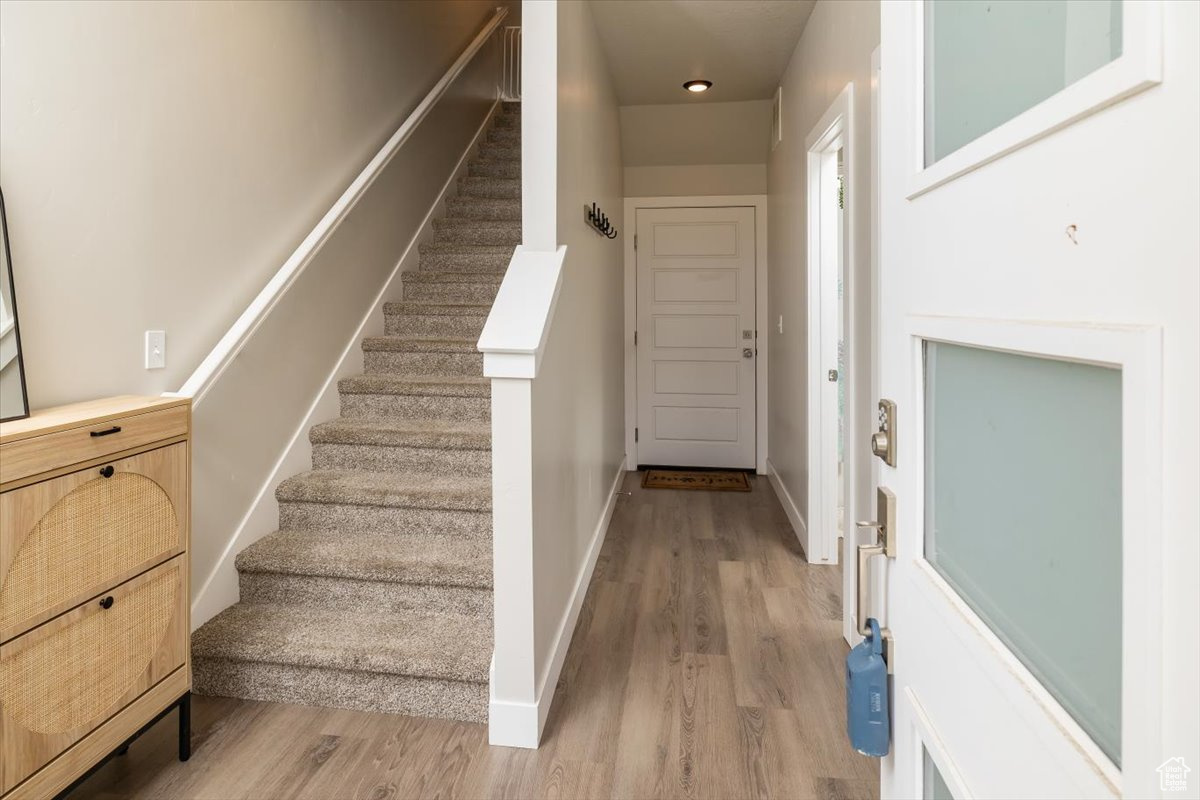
[698, 86]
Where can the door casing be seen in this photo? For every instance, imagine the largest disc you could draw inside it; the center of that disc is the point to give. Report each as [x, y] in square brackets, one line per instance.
[759, 203]
[826, 258]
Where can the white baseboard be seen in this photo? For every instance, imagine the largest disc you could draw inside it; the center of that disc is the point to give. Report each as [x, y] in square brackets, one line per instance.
[220, 589]
[517, 724]
[799, 527]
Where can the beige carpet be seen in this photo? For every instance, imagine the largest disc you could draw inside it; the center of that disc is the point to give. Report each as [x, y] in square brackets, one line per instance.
[376, 591]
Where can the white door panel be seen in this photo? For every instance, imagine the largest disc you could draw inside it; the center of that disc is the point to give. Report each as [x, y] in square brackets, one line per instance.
[696, 323]
[696, 377]
[695, 331]
[695, 286]
[1038, 333]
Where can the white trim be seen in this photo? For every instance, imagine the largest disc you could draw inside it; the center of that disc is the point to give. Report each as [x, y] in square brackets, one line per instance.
[761, 261]
[1138, 67]
[789, 504]
[514, 723]
[835, 130]
[514, 335]
[851, 535]
[219, 589]
[1137, 351]
[539, 125]
[929, 741]
[221, 356]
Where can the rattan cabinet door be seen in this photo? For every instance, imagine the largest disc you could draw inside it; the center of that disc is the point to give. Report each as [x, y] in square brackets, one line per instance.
[61, 680]
[67, 539]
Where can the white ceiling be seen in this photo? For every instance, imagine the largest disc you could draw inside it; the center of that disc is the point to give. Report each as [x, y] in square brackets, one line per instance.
[742, 46]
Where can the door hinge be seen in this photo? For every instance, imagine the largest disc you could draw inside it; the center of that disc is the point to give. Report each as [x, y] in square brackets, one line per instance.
[635, 338]
[635, 434]
[635, 241]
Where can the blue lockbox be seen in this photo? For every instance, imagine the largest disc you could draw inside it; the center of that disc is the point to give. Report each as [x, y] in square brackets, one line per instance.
[867, 721]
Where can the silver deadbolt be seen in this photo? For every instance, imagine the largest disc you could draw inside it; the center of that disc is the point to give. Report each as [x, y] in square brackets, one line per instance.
[747, 352]
[883, 441]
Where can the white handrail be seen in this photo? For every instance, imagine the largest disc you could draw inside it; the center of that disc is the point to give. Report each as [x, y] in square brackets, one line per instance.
[215, 363]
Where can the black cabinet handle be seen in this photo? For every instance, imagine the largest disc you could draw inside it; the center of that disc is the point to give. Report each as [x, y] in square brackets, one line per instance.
[107, 431]
[106, 602]
[107, 471]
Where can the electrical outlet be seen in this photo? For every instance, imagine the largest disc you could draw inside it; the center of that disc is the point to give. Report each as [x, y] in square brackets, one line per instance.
[156, 349]
[780, 325]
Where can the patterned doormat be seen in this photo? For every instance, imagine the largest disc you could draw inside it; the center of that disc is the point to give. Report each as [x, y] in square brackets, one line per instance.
[705, 480]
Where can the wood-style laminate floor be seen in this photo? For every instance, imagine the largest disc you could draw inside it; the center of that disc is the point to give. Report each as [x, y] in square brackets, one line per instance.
[707, 663]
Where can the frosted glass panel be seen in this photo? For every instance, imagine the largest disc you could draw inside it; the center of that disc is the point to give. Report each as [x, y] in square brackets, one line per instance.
[1023, 514]
[935, 787]
[986, 62]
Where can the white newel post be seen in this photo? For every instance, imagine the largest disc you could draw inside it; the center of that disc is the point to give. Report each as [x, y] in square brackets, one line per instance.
[513, 701]
[512, 343]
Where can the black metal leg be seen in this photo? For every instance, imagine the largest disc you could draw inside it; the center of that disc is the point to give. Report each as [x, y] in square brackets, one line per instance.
[185, 727]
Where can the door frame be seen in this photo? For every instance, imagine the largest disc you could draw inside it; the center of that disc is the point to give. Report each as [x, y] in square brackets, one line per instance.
[759, 203]
[834, 131]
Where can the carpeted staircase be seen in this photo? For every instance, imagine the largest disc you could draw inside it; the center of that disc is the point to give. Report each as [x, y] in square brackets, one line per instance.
[376, 592]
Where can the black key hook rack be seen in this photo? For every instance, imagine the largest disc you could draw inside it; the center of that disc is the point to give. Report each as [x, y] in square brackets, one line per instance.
[598, 221]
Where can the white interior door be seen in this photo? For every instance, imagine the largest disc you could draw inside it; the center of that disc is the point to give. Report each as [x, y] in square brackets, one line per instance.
[1038, 333]
[696, 352]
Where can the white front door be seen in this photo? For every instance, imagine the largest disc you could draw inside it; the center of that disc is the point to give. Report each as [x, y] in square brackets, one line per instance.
[1039, 336]
[696, 337]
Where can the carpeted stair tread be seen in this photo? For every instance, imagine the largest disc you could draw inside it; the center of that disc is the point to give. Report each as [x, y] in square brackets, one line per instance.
[483, 168]
[492, 151]
[431, 385]
[508, 225]
[437, 308]
[477, 186]
[392, 489]
[391, 432]
[486, 261]
[438, 276]
[392, 558]
[457, 248]
[420, 344]
[441, 645]
[484, 208]
[478, 231]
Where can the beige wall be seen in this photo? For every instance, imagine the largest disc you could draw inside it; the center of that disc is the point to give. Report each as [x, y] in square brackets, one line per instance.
[161, 160]
[578, 396]
[834, 50]
[687, 180]
[695, 148]
[695, 133]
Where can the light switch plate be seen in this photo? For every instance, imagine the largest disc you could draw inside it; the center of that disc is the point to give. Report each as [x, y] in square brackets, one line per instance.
[156, 349]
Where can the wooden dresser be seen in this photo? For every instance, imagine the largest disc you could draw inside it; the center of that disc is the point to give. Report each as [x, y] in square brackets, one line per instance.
[94, 600]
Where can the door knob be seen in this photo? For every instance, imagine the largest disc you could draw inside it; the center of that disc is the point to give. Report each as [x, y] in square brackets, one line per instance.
[747, 352]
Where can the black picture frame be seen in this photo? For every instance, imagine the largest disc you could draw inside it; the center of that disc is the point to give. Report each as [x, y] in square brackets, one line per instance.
[12, 293]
